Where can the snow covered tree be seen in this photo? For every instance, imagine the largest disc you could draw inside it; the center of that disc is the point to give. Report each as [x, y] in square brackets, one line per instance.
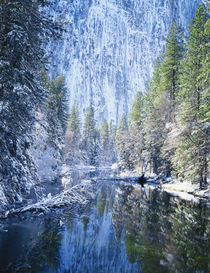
[154, 123]
[136, 130]
[23, 31]
[190, 160]
[105, 135]
[170, 68]
[105, 142]
[161, 104]
[112, 142]
[58, 100]
[73, 136]
[124, 145]
[74, 124]
[90, 143]
[169, 90]
[89, 126]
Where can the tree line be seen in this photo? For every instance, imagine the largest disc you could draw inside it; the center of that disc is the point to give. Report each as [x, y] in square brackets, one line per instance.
[89, 145]
[25, 28]
[167, 128]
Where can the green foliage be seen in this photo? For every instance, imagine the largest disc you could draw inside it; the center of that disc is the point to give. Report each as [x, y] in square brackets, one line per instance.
[123, 125]
[105, 135]
[194, 106]
[154, 122]
[122, 129]
[160, 105]
[136, 131]
[24, 30]
[58, 101]
[124, 146]
[136, 115]
[112, 142]
[170, 65]
[94, 145]
[168, 128]
[74, 124]
[90, 144]
[89, 126]
[106, 143]
[73, 137]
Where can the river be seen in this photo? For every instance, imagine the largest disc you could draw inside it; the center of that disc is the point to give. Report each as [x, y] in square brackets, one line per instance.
[125, 229]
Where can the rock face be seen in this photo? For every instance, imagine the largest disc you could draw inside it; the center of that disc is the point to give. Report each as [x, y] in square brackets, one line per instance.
[110, 47]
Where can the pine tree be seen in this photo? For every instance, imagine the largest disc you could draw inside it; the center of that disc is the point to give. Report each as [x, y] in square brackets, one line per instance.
[124, 146]
[154, 123]
[58, 101]
[170, 68]
[161, 104]
[74, 124]
[105, 142]
[112, 142]
[23, 32]
[136, 115]
[136, 131]
[90, 138]
[105, 135]
[169, 87]
[73, 137]
[190, 160]
[89, 126]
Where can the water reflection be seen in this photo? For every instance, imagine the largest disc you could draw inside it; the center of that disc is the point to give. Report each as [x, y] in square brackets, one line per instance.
[126, 229]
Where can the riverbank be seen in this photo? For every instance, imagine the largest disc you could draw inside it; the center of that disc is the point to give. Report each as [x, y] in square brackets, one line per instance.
[172, 185]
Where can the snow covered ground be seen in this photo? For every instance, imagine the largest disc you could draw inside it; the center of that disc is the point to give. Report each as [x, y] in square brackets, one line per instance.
[185, 190]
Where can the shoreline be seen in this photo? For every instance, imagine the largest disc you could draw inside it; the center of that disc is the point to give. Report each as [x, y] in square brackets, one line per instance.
[184, 190]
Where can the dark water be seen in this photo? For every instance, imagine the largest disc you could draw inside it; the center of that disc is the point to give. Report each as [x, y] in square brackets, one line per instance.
[125, 229]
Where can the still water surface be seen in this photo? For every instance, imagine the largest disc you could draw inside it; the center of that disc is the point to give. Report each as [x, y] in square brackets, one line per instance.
[125, 229]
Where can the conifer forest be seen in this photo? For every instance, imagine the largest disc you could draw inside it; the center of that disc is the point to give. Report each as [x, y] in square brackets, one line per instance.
[104, 136]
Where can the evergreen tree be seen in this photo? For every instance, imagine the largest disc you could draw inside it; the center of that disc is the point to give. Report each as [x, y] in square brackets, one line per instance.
[136, 131]
[58, 101]
[154, 123]
[73, 137]
[124, 146]
[104, 139]
[105, 135]
[123, 127]
[190, 160]
[23, 32]
[169, 88]
[89, 126]
[170, 68]
[90, 138]
[137, 112]
[161, 104]
[112, 142]
[74, 124]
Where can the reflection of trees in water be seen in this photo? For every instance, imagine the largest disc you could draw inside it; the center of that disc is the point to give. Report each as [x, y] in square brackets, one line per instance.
[161, 233]
[85, 221]
[41, 253]
[158, 228]
[141, 228]
[105, 199]
[191, 237]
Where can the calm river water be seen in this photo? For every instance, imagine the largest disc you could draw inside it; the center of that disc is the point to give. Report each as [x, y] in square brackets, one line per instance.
[125, 229]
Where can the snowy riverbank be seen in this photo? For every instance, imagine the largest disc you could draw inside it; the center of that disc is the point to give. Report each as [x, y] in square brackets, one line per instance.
[184, 190]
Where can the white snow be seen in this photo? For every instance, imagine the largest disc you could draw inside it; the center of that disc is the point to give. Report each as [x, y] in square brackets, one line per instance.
[111, 47]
